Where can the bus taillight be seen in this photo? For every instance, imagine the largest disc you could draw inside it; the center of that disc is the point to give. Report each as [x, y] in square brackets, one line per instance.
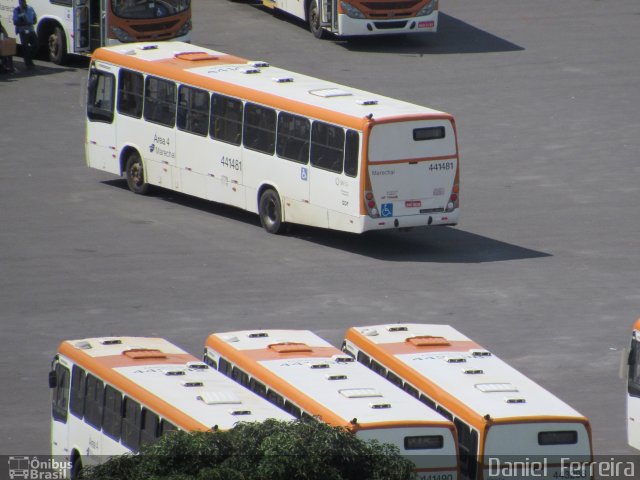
[454, 198]
[370, 202]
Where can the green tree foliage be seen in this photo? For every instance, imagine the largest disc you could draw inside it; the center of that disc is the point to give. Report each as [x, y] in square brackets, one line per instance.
[272, 450]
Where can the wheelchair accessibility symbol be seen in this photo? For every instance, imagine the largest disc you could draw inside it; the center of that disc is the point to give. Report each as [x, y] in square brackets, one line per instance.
[304, 174]
[386, 210]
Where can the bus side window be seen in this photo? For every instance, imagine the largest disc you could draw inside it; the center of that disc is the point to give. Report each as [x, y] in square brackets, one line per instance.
[292, 409]
[60, 399]
[259, 131]
[166, 427]
[257, 388]
[94, 405]
[634, 369]
[364, 359]
[149, 429]
[411, 390]
[293, 137]
[239, 376]
[100, 97]
[351, 153]
[112, 412]
[327, 146]
[225, 367]
[160, 101]
[379, 369]
[444, 412]
[130, 93]
[275, 398]
[193, 110]
[427, 401]
[210, 361]
[393, 378]
[78, 392]
[226, 119]
[131, 424]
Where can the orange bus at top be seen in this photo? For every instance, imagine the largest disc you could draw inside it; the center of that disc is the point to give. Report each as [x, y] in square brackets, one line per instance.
[508, 426]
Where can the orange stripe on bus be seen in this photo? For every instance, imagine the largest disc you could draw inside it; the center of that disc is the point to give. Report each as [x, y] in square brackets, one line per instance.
[102, 367]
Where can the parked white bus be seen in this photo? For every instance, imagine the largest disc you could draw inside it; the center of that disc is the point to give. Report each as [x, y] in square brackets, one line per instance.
[289, 147]
[113, 394]
[307, 377]
[633, 388]
[80, 26]
[504, 420]
[362, 17]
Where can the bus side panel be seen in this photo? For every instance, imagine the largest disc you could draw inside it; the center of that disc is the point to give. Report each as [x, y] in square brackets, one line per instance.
[224, 170]
[100, 147]
[192, 163]
[160, 157]
[336, 193]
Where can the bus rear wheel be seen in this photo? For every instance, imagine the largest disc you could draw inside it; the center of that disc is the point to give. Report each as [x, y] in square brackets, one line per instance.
[270, 211]
[313, 14]
[134, 172]
[57, 45]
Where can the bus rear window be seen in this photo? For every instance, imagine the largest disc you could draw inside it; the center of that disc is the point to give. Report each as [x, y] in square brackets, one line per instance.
[564, 437]
[428, 133]
[424, 442]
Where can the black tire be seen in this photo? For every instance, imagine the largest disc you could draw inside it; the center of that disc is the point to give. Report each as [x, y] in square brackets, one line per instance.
[57, 46]
[270, 211]
[76, 468]
[134, 171]
[313, 15]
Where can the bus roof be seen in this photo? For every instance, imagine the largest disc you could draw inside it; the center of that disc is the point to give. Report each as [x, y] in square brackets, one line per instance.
[169, 381]
[318, 377]
[452, 366]
[262, 83]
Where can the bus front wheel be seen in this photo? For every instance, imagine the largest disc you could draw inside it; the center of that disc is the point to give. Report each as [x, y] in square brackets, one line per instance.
[270, 211]
[313, 14]
[57, 44]
[135, 174]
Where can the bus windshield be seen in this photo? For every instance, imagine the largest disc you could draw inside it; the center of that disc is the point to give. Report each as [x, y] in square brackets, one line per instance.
[147, 9]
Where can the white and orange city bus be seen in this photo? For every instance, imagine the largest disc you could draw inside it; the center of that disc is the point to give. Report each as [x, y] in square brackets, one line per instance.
[113, 394]
[508, 426]
[289, 147]
[362, 17]
[633, 388]
[80, 26]
[307, 377]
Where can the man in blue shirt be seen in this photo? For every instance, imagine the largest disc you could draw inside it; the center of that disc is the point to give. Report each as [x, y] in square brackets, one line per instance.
[25, 19]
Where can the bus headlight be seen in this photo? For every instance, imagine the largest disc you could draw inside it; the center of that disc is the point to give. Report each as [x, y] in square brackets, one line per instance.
[121, 35]
[427, 9]
[351, 11]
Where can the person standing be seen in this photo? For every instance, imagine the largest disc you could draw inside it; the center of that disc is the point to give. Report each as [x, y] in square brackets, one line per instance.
[25, 19]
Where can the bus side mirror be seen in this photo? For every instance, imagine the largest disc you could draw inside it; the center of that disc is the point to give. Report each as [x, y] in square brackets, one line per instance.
[53, 379]
[625, 361]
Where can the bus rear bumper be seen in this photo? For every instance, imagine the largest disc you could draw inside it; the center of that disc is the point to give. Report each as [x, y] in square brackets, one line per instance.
[348, 26]
[409, 221]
